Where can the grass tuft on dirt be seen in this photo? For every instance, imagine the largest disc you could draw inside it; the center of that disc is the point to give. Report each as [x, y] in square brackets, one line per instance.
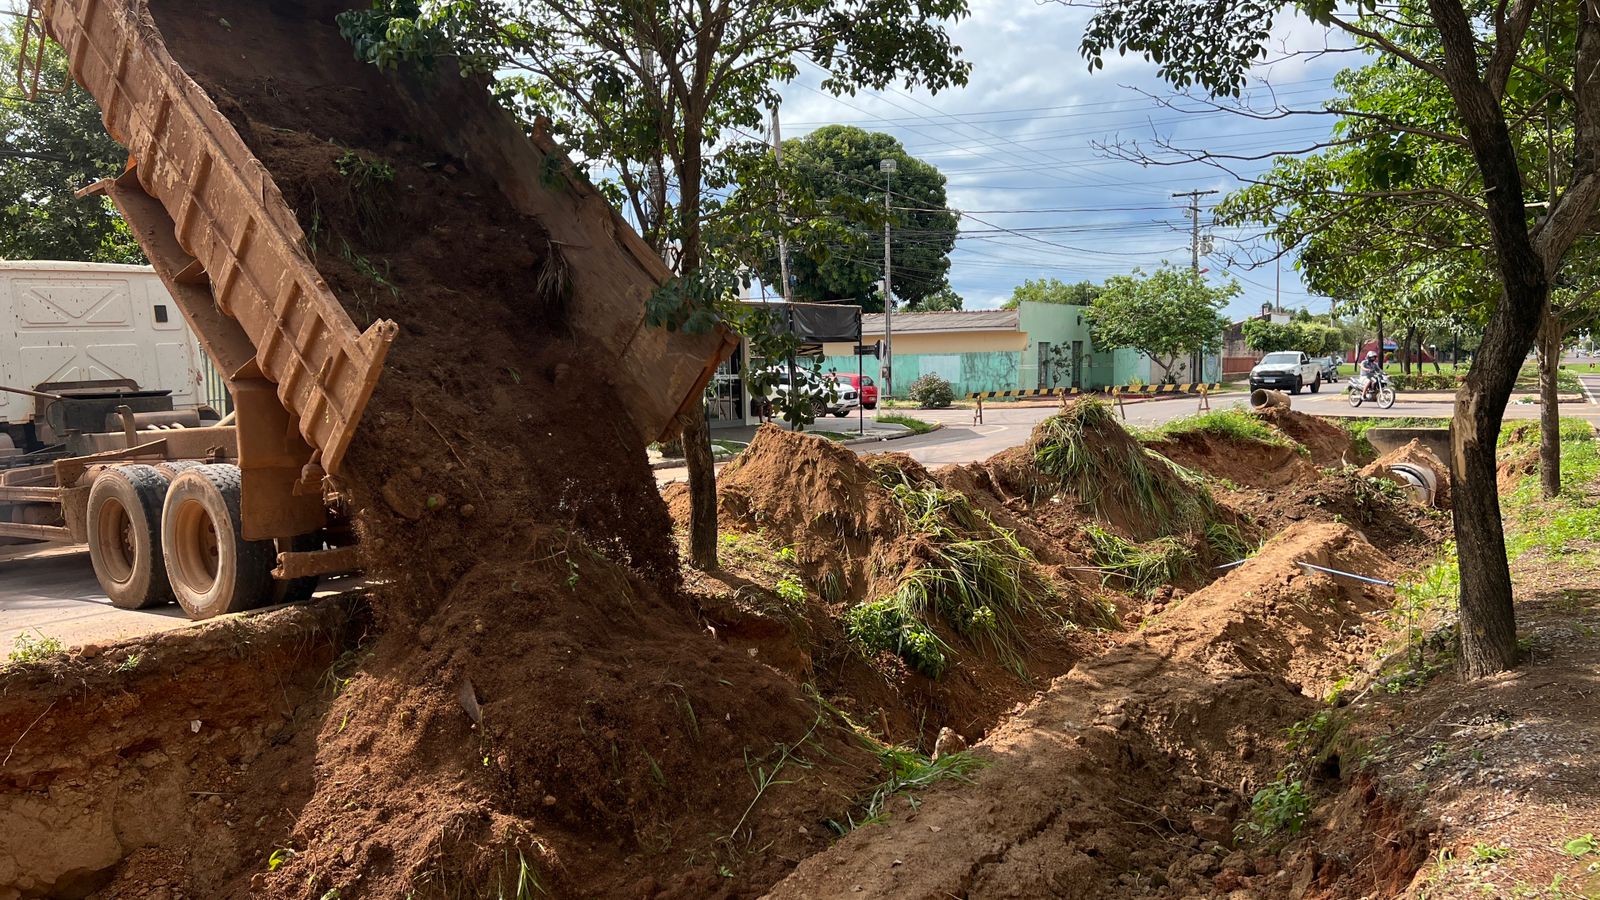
[1231, 424]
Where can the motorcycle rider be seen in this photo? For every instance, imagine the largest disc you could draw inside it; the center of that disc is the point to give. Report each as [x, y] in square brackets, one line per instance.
[1370, 369]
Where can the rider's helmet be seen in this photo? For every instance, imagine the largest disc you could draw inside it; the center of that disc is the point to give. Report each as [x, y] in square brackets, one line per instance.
[1372, 354]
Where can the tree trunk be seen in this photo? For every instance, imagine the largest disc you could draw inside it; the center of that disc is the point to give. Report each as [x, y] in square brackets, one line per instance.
[1405, 351]
[696, 431]
[702, 488]
[1549, 409]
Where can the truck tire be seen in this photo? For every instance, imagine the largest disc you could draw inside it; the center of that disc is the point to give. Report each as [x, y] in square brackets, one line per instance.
[125, 536]
[1298, 385]
[1316, 383]
[212, 568]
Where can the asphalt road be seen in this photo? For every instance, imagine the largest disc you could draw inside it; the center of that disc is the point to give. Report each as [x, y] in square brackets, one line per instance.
[53, 592]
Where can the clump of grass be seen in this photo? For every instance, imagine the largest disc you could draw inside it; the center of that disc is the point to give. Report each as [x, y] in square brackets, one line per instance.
[1228, 542]
[1232, 424]
[976, 577]
[1073, 448]
[917, 426]
[1142, 568]
[27, 649]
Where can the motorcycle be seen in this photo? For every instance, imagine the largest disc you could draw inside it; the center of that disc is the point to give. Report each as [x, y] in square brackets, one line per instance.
[1378, 391]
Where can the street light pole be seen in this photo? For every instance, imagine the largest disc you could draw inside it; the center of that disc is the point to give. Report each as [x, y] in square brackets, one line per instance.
[887, 167]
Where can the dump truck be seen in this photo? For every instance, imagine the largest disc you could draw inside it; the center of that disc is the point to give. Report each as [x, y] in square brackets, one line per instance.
[233, 514]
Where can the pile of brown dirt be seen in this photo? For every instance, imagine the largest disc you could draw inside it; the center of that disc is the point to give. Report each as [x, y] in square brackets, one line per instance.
[165, 763]
[1376, 507]
[1126, 778]
[1415, 454]
[541, 698]
[1329, 444]
[1252, 463]
[845, 527]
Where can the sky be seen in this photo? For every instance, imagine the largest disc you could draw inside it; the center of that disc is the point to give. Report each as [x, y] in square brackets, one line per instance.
[1018, 147]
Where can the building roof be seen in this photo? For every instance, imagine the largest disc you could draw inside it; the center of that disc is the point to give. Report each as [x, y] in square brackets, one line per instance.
[951, 321]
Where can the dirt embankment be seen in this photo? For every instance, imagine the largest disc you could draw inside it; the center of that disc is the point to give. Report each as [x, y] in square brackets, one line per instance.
[1128, 776]
[168, 761]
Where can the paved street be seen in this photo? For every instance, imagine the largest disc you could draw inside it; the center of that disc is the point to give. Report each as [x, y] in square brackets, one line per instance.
[53, 591]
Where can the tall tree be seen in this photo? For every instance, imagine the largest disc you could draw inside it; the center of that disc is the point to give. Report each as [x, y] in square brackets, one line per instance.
[1473, 49]
[944, 299]
[49, 148]
[656, 88]
[838, 166]
[1166, 315]
[1052, 290]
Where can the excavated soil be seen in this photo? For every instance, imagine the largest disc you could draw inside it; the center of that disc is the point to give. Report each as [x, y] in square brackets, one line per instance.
[540, 700]
[851, 542]
[1127, 777]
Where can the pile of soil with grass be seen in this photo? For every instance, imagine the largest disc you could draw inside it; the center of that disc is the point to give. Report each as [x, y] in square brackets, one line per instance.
[1252, 463]
[1330, 445]
[540, 700]
[1131, 774]
[843, 527]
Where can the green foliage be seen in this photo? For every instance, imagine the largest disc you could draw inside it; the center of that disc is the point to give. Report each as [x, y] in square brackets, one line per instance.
[912, 771]
[1426, 381]
[1311, 337]
[1138, 568]
[1282, 806]
[1074, 447]
[1581, 846]
[944, 299]
[1488, 854]
[28, 649]
[838, 166]
[885, 625]
[1233, 424]
[1167, 314]
[53, 147]
[1052, 290]
[279, 857]
[791, 590]
[1564, 524]
[917, 426]
[932, 392]
[1228, 542]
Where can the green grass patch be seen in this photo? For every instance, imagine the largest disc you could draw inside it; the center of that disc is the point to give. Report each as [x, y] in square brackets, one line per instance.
[916, 425]
[1566, 523]
[1080, 448]
[1233, 424]
[1139, 568]
[28, 649]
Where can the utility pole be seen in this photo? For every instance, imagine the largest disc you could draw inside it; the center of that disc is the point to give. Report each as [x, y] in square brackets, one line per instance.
[887, 167]
[783, 241]
[1194, 225]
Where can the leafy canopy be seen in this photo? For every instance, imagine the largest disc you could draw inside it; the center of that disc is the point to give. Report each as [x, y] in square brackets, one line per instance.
[1052, 290]
[48, 150]
[1167, 314]
[837, 167]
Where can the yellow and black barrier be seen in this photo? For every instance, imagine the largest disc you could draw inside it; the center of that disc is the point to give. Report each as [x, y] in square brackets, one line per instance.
[1115, 391]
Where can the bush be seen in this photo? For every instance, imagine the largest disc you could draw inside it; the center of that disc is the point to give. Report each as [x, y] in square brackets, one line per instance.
[932, 392]
[1431, 381]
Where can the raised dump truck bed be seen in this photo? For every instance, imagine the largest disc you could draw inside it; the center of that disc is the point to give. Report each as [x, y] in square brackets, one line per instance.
[236, 256]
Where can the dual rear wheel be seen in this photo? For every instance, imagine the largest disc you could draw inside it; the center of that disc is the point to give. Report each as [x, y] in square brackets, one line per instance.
[173, 532]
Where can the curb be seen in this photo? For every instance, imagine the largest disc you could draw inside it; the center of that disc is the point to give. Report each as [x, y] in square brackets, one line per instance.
[724, 457]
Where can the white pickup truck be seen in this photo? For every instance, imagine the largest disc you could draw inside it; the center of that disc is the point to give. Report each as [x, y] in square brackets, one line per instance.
[1288, 370]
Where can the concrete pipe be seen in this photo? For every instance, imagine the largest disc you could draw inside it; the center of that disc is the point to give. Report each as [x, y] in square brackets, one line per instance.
[1261, 399]
[1419, 481]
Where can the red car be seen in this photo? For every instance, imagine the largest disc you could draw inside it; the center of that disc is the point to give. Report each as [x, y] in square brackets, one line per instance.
[864, 385]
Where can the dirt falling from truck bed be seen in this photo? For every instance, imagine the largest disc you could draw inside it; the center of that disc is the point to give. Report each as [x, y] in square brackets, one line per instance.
[541, 702]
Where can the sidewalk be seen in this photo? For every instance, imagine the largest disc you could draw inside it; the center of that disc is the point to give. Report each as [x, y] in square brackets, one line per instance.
[828, 427]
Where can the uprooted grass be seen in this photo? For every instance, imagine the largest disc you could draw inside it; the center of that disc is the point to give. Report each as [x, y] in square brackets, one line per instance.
[1080, 447]
[1231, 423]
[1138, 568]
[971, 574]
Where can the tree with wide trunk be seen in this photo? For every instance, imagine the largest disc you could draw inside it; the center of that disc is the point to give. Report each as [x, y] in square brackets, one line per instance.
[669, 96]
[1482, 55]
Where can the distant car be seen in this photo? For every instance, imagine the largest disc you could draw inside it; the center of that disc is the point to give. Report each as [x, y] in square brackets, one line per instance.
[864, 385]
[1329, 366]
[836, 398]
[1286, 369]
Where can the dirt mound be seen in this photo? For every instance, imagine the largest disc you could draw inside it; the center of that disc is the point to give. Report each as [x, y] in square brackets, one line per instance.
[1329, 444]
[177, 758]
[1127, 777]
[1377, 507]
[1415, 455]
[908, 606]
[1247, 462]
[541, 700]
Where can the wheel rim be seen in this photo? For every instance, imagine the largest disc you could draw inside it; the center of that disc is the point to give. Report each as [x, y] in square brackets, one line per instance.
[114, 529]
[196, 549]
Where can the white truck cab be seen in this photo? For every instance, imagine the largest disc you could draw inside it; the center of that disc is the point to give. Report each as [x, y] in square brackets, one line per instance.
[85, 330]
